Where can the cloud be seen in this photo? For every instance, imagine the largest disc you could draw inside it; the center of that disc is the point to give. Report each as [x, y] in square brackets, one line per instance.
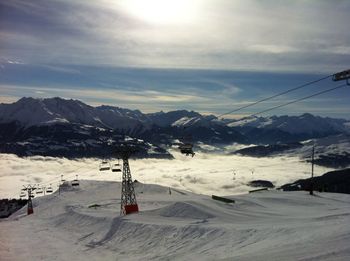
[127, 98]
[272, 49]
[9, 99]
[201, 174]
[343, 50]
[222, 35]
[208, 92]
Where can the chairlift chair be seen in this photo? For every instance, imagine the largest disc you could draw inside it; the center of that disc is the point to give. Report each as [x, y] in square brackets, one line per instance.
[104, 165]
[49, 189]
[39, 191]
[186, 149]
[75, 182]
[116, 167]
[186, 145]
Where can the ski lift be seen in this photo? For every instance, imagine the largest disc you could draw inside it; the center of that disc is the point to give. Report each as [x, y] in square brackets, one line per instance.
[62, 180]
[49, 189]
[116, 167]
[187, 149]
[104, 165]
[186, 145]
[39, 191]
[23, 194]
[75, 182]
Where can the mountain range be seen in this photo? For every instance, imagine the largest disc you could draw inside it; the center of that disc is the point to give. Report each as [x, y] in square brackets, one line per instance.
[71, 128]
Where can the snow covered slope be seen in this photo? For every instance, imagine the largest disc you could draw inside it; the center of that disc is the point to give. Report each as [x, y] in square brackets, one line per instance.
[270, 225]
[335, 144]
[332, 151]
[303, 124]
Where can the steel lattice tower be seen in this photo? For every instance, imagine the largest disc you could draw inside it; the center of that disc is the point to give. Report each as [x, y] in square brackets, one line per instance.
[29, 189]
[128, 202]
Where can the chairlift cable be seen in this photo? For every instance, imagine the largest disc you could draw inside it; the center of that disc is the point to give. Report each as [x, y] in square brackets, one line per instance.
[297, 100]
[277, 95]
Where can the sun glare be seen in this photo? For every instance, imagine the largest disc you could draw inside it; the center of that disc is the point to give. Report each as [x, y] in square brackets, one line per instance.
[161, 11]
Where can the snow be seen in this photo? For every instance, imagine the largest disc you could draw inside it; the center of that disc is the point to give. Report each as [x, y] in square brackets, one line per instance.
[269, 225]
[335, 144]
[184, 121]
[185, 224]
[251, 121]
[305, 123]
[55, 121]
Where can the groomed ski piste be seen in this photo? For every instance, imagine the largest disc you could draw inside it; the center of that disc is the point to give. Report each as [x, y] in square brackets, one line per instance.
[84, 223]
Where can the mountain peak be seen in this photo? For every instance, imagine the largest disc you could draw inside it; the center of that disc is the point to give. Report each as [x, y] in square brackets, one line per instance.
[30, 111]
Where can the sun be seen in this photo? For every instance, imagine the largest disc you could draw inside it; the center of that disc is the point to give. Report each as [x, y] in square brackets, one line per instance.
[161, 11]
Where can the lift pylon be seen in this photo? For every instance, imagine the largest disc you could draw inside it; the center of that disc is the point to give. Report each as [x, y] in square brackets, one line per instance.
[128, 202]
[30, 189]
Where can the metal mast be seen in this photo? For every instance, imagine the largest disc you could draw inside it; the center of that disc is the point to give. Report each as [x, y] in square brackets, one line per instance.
[128, 202]
[312, 171]
[29, 189]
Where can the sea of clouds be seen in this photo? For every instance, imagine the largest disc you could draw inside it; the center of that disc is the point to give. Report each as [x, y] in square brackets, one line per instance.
[206, 173]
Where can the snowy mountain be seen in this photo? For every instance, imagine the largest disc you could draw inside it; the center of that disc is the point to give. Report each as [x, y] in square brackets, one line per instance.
[28, 121]
[303, 124]
[70, 141]
[32, 112]
[331, 151]
[80, 127]
[29, 112]
[286, 129]
[164, 119]
[84, 224]
[35, 112]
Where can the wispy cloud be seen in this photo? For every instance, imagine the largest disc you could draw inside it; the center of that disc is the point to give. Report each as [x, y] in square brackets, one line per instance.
[131, 99]
[272, 49]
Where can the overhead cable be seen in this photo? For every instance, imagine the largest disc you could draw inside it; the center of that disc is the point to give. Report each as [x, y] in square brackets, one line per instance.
[298, 100]
[277, 95]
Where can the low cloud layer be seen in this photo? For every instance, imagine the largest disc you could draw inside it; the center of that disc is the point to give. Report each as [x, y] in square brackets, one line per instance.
[205, 173]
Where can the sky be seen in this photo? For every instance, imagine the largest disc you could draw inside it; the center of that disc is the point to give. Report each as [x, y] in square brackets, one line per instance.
[211, 56]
